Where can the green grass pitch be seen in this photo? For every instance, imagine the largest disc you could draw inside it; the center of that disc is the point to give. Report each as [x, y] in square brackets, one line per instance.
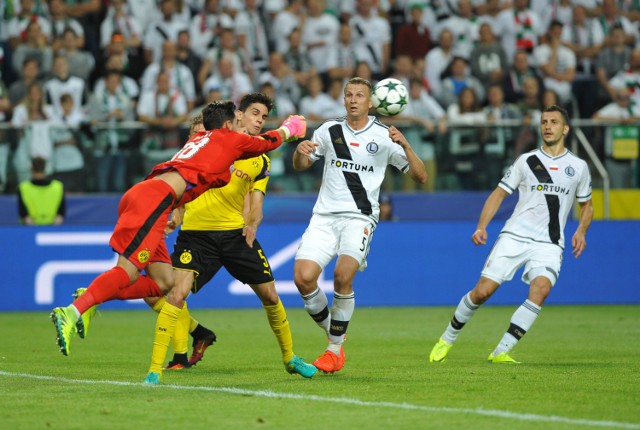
[581, 370]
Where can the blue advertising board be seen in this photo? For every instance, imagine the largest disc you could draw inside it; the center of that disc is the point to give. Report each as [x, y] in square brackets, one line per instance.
[410, 264]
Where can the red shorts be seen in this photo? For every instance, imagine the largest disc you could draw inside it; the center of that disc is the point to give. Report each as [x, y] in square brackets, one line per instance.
[143, 213]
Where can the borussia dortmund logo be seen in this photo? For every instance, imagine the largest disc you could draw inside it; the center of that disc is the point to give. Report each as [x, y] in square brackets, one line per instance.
[186, 257]
[143, 256]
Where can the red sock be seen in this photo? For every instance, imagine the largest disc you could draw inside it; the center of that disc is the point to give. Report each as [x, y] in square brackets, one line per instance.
[143, 287]
[103, 288]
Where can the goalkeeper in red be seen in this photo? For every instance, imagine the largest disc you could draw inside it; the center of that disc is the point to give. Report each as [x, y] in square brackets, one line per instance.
[203, 163]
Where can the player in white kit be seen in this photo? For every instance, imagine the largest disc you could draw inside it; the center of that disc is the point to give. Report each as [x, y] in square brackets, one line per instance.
[356, 150]
[548, 180]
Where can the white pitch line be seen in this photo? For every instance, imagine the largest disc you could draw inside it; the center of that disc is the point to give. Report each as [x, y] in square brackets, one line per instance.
[345, 400]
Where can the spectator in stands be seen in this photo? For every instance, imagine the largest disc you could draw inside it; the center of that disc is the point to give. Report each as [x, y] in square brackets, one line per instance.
[110, 105]
[206, 27]
[386, 208]
[17, 26]
[180, 76]
[35, 46]
[60, 22]
[282, 105]
[5, 112]
[464, 26]
[519, 28]
[31, 118]
[317, 103]
[554, 10]
[585, 38]
[499, 141]
[345, 55]
[403, 69]
[430, 125]
[164, 110]
[63, 83]
[89, 14]
[119, 20]
[335, 93]
[233, 84]
[371, 38]
[465, 144]
[613, 58]
[132, 61]
[67, 158]
[557, 64]
[41, 200]
[164, 28]
[530, 106]
[139, 9]
[282, 77]
[252, 36]
[228, 48]
[620, 141]
[628, 78]
[515, 76]
[128, 86]
[81, 62]
[186, 56]
[436, 62]
[285, 22]
[610, 17]
[457, 77]
[488, 62]
[297, 59]
[414, 37]
[30, 73]
[320, 36]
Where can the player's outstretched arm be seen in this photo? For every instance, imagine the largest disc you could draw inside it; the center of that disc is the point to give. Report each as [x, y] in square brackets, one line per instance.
[489, 210]
[294, 127]
[174, 221]
[301, 160]
[579, 241]
[417, 171]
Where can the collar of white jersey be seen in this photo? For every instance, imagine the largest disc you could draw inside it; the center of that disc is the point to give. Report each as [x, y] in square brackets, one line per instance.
[372, 120]
[566, 151]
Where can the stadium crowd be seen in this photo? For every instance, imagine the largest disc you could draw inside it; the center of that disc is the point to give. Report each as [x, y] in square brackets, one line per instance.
[103, 89]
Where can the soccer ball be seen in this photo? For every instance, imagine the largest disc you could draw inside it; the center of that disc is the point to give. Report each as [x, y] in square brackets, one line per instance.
[389, 97]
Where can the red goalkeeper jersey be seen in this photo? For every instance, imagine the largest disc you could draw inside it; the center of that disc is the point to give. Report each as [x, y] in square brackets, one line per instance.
[205, 160]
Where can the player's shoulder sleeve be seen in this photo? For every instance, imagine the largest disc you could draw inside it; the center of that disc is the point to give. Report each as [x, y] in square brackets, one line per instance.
[514, 175]
[262, 178]
[583, 192]
[322, 137]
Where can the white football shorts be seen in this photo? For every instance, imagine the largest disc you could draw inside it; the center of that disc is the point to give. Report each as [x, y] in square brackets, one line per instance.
[509, 254]
[328, 236]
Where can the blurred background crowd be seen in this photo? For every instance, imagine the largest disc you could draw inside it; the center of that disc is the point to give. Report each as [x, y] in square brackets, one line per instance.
[102, 90]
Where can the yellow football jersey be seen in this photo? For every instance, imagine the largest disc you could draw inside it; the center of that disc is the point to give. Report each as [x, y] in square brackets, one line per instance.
[221, 208]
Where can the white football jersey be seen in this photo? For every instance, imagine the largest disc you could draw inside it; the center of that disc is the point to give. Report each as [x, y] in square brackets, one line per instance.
[547, 186]
[354, 166]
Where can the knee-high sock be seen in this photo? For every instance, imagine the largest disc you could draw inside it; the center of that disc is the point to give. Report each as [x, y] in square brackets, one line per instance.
[143, 287]
[181, 335]
[465, 310]
[192, 322]
[521, 321]
[165, 327]
[341, 313]
[317, 306]
[279, 323]
[104, 287]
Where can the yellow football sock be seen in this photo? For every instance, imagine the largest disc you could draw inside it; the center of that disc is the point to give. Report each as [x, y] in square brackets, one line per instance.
[165, 328]
[192, 325]
[280, 326]
[159, 304]
[181, 335]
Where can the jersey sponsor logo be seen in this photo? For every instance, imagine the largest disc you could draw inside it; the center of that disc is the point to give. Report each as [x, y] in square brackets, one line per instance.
[143, 256]
[242, 175]
[186, 257]
[350, 166]
[372, 147]
[549, 188]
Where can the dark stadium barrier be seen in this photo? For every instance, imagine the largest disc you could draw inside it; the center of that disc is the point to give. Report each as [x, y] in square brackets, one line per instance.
[410, 264]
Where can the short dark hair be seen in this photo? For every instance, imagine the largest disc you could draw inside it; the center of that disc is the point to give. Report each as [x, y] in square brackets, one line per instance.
[359, 81]
[38, 164]
[256, 97]
[563, 112]
[215, 114]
